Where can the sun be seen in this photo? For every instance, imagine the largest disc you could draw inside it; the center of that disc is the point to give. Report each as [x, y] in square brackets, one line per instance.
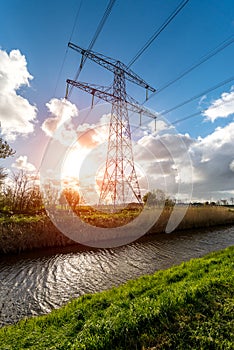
[80, 170]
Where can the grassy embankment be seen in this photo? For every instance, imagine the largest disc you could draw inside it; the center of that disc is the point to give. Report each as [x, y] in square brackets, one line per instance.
[19, 232]
[189, 306]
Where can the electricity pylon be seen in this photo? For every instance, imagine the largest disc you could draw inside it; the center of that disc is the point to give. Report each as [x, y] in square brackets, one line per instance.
[120, 183]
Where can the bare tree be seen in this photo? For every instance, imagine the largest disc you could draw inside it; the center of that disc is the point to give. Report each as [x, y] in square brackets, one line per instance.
[156, 197]
[72, 196]
[51, 194]
[20, 188]
[22, 195]
[2, 176]
[5, 151]
[224, 201]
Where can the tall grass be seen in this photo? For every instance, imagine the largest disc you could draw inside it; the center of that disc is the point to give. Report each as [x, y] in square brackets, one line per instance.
[207, 216]
[196, 217]
[189, 306]
[19, 232]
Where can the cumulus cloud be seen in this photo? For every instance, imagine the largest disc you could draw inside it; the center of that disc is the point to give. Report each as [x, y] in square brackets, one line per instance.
[222, 107]
[212, 158]
[22, 163]
[92, 135]
[165, 159]
[16, 113]
[231, 166]
[164, 146]
[159, 126]
[62, 111]
[60, 125]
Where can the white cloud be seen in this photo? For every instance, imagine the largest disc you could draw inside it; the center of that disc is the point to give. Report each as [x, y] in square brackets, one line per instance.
[23, 164]
[62, 111]
[203, 98]
[91, 135]
[17, 115]
[231, 166]
[212, 158]
[165, 160]
[165, 146]
[60, 125]
[160, 125]
[222, 107]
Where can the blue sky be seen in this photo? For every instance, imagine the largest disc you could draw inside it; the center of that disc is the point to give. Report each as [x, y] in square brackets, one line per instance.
[40, 30]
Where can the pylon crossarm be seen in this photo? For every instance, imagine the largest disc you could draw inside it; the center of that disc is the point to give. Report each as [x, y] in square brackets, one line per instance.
[138, 108]
[111, 64]
[102, 93]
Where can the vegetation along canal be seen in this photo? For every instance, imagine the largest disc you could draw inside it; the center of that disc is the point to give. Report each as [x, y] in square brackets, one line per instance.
[35, 283]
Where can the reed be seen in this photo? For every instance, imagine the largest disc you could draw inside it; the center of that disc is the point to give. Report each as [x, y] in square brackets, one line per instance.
[20, 233]
[195, 217]
[207, 216]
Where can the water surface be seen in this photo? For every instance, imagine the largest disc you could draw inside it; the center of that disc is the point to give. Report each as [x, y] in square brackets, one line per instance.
[35, 283]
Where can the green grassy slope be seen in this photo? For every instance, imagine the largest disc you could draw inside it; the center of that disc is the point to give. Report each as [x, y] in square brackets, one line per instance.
[189, 306]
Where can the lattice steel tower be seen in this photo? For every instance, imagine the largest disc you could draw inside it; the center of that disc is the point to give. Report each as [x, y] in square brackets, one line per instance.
[120, 184]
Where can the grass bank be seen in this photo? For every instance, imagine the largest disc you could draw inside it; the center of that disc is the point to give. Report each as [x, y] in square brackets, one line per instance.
[189, 306]
[20, 232]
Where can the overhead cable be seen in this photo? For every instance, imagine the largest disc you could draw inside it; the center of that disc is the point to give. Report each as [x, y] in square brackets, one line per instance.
[227, 42]
[198, 95]
[65, 55]
[190, 100]
[158, 31]
[94, 39]
[201, 112]
[202, 60]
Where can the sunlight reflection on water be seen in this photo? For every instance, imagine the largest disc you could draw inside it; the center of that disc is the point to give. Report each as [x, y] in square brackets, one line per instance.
[35, 283]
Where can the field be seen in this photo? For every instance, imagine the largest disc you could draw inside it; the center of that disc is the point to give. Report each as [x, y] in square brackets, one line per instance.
[189, 306]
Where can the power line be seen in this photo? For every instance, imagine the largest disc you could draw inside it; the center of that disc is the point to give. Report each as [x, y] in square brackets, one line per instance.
[200, 112]
[224, 82]
[65, 54]
[203, 59]
[101, 24]
[148, 43]
[158, 31]
[96, 34]
[190, 100]
[188, 117]
[76, 19]
[199, 95]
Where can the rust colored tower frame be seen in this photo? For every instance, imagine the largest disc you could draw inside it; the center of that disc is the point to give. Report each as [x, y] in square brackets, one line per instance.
[120, 178]
[120, 183]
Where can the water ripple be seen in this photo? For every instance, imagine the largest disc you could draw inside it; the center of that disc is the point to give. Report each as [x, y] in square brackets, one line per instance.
[36, 284]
